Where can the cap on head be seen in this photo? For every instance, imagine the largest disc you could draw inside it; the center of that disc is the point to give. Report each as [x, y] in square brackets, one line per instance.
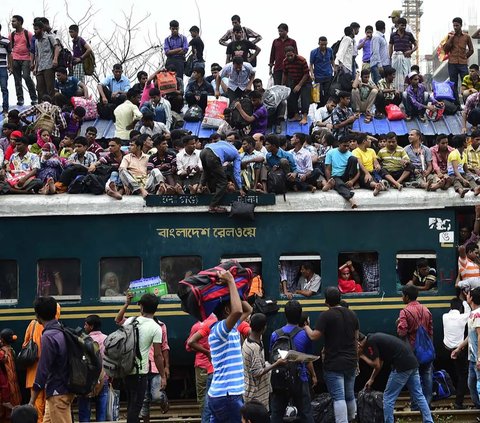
[395, 14]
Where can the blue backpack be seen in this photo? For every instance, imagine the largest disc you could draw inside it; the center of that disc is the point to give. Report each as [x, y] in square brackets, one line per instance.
[442, 385]
[423, 347]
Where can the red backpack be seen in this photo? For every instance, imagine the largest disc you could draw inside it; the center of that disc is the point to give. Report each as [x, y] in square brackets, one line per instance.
[200, 294]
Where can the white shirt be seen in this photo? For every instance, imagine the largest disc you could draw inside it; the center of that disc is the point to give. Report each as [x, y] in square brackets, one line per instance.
[345, 53]
[454, 328]
[184, 160]
[321, 114]
[158, 128]
[312, 285]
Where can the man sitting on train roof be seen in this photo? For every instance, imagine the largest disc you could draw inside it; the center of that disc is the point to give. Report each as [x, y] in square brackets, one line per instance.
[473, 155]
[440, 152]
[421, 160]
[395, 160]
[424, 277]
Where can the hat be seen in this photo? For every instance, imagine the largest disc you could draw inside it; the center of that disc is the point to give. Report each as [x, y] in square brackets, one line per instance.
[412, 74]
[16, 134]
[395, 14]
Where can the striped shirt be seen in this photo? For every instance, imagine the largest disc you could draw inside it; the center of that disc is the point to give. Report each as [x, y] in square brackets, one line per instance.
[5, 51]
[468, 269]
[227, 361]
[392, 162]
[256, 387]
[296, 70]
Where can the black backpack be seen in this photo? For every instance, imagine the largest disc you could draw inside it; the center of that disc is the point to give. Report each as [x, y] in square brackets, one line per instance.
[84, 361]
[65, 57]
[277, 181]
[193, 114]
[237, 121]
[285, 379]
[322, 409]
[370, 406]
[77, 186]
[94, 184]
[335, 47]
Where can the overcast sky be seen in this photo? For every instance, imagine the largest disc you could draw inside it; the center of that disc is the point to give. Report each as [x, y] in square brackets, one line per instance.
[307, 22]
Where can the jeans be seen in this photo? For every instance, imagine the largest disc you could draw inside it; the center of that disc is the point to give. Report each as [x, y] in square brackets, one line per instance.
[153, 393]
[206, 413]
[300, 399]
[4, 87]
[225, 409]
[101, 401]
[426, 379]
[375, 74]
[340, 386]
[21, 69]
[455, 71]
[396, 382]
[135, 385]
[474, 383]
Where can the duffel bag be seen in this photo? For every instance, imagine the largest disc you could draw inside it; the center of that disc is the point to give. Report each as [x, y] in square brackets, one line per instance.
[88, 104]
[200, 294]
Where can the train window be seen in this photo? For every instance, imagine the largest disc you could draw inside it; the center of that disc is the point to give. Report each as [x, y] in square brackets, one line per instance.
[174, 269]
[59, 278]
[358, 272]
[300, 275]
[116, 273]
[418, 268]
[8, 281]
[254, 263]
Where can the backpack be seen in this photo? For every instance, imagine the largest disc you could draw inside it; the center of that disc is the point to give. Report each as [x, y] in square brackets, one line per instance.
[193, 114]
[285, 379]
[65, 57]
[25, 32]
[188, 67]
[335, 47]
[77, 186]
[44, 121]
[84, 361]
[442, 385]
[423, 347]
[121, 351]
[200, 294]
[237, 121]
[94, 184]
[322, 409]
[370, 406]
[89, 64]
[277, 181]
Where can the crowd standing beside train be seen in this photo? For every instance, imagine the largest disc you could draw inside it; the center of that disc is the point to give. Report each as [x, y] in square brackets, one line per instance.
[41, 150]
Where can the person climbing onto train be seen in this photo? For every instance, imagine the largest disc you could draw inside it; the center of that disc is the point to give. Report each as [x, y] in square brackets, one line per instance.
[468, 267]
[410, 319]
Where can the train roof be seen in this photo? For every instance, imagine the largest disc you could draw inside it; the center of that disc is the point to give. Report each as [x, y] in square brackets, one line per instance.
[87, 204]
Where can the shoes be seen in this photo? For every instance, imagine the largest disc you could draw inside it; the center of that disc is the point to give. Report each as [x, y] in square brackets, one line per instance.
[20, 103]
[34, 102]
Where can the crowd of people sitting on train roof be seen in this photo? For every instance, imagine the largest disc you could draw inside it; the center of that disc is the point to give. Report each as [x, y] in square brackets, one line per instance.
[234, 381]
[48, 156]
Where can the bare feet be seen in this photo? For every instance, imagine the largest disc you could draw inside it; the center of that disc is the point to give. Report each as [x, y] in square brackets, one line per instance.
[51, 186]
[162, 189]
[353, 204]
[462, 192]
[304, 121]
[398, 186]
[377, 189]
[143, 192]
[295, 118]
[44, 190]
[329, 185]
[179, 189]
[112, 191]
[476, 191]
[313, 188]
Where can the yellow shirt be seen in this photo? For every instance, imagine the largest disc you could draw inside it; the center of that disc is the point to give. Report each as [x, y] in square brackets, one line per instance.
[473, 157]
[460, 159]
[125, 115]
[366, 158]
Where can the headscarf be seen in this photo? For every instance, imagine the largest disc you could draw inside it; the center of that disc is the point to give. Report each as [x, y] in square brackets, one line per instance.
[40, 141]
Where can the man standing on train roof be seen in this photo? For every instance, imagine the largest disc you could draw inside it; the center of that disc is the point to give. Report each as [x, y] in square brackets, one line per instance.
[409, 321]
[247, 33]
[213, 157]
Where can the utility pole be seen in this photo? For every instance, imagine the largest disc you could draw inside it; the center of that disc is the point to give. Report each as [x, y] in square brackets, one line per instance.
[412, 12]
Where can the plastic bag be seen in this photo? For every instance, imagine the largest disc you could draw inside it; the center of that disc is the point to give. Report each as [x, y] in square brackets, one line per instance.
[315, 93]
[113, 404]
[394, 112]
[88, 104]
[443, 90]
[214, 112]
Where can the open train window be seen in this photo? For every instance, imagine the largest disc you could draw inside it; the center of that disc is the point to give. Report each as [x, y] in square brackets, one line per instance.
[116, 273]
[8, 281]
[59, 278]
[418, 268]
[300, 275]
[176, 268]
[358, 272]
[254, 263]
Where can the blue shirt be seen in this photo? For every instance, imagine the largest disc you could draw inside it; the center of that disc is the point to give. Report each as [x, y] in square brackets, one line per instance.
[227, 361]
[226, 152]
[338, 161]
[379, 48]
[52, 371]
[367, 50]
[322, 63]
[172, 43]
[274, 160]
[301, 343]
[67, 88]
[113, 85]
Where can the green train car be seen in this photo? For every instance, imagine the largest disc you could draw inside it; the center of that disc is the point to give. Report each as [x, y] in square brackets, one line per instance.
[84, 250]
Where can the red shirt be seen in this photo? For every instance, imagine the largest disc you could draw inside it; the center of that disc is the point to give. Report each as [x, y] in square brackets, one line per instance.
[277, 53]
[411, 317]
[296, 70]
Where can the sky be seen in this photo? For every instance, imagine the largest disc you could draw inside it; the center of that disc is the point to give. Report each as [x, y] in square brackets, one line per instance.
[315, 18]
